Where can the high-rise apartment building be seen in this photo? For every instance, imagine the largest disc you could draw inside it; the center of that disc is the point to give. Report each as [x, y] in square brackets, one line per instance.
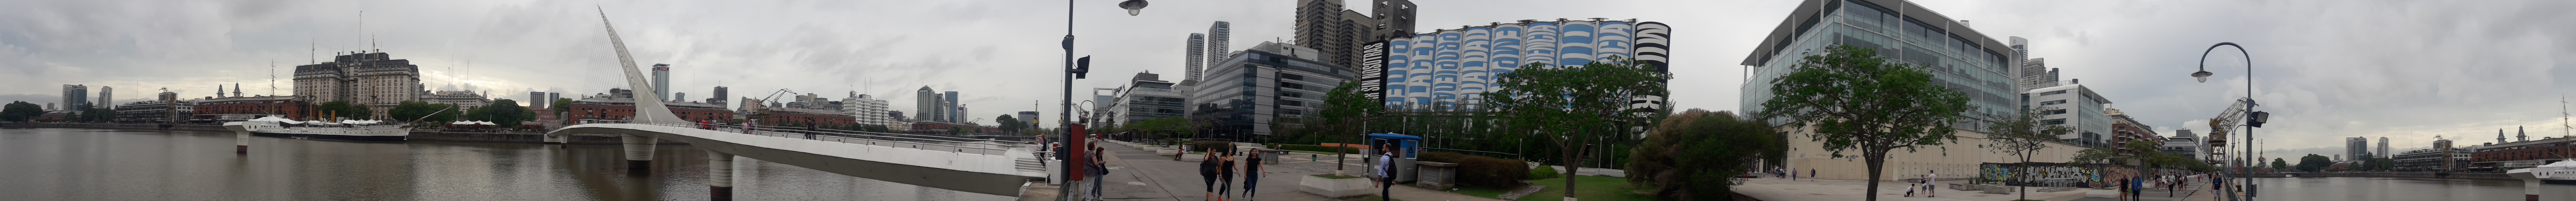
[662, 81]
[1194, 54]
[1147, 96]
[107, 95]
[867, 109]
[1220, 37]
[2383, 148]
[372, 79]
[2356, 147]
[929, 105]
[76, 97]
[1326, 26]
[1428, 70]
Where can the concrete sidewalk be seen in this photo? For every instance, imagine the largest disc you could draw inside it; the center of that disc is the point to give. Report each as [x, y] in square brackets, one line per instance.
[1832, 189]
[1137, 174]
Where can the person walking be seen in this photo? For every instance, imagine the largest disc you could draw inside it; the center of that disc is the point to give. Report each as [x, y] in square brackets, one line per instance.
[1252, 173]
[1225, 174]
[1930, 185]
[1207, 172]
[1386, 171]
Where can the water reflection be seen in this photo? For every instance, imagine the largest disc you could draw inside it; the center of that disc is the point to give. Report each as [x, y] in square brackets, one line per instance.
[2378, 188]
[90, 164]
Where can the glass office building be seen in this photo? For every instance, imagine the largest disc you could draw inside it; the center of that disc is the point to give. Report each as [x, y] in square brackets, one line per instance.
[1958, 57]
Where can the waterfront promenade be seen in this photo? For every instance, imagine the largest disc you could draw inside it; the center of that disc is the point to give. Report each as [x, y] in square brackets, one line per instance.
[1137, 174]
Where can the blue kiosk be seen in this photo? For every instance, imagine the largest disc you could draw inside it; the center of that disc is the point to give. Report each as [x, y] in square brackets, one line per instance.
[1408, 149]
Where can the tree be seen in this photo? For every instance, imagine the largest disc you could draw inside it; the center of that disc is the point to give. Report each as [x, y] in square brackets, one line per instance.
[1008, 123]
[345, 110]
[1851, 98]
[1347, 112]
[2022, 137]
[95, 115]
[2278, 165]
[1569, 102]
[2378, 164]
[20, 111]
[503, 113]
[416, 111]
[2313, 162]
[563, 107]
[1693, 155]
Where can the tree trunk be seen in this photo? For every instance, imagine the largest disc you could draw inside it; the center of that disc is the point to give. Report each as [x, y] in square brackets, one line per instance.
[1573, 156]
[1876, 159]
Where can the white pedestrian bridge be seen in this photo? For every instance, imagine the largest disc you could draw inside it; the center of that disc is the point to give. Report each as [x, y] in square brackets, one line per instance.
[959, 164]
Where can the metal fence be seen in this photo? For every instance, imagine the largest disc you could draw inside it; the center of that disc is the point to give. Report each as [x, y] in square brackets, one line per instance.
[923, 142]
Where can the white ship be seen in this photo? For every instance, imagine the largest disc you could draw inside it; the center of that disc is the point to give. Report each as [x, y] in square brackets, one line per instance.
[352, 130]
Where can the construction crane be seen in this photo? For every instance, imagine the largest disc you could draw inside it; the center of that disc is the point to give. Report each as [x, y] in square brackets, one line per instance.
[2226, 121]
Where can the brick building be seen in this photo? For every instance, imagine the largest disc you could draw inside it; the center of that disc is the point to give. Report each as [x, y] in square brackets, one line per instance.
[291, 106]
[802, 116]
[624, 108]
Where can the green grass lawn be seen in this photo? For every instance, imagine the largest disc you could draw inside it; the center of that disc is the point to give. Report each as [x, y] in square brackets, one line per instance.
[1587, 188]
[1481, 191]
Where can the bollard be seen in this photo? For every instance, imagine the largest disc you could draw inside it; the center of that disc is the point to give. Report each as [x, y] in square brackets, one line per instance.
[241, 142]
[719, 176]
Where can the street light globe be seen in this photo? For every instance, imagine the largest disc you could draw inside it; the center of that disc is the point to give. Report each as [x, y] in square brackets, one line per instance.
[1133, 6]
[2203, 75]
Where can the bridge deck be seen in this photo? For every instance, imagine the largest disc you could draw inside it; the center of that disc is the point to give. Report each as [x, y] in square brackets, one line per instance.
[961, 164]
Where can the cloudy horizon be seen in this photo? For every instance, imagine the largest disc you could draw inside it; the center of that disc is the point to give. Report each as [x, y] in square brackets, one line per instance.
[2407, 70]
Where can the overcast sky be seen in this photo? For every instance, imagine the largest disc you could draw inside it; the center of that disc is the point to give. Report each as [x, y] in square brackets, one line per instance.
[2407, 70]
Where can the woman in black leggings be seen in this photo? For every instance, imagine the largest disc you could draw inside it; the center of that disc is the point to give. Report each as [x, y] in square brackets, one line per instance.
[1251, 174]
[1207, 172]
[1225, 174]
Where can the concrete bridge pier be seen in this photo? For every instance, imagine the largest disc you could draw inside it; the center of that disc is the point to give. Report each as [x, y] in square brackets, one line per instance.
[639, 151]
[241, 141]
[554, 139]
[719, 176]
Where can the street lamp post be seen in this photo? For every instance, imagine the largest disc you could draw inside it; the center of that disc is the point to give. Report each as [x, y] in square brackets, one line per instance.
[1072, 71]
[2203, 76]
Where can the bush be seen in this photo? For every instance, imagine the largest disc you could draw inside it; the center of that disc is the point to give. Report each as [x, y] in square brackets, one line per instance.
[1320, 148]
[1490, 172]
[1482, 171]
[1694, 155]
[1544, 172]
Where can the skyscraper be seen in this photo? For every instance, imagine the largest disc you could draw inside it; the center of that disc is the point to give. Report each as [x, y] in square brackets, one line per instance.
[2356, 147]
[927, 104]
[1220, 34]
[662, 80]
[720, 98]
[2383, 149]
[537, 99]
[1326, 26]
[75, 97]
[551, 97]
[107, 96]
[955, 113]
[1977, 65]
[1195, 53]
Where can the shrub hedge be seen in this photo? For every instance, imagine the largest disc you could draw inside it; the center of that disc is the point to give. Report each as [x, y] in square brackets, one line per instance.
[1481, 171]
[1320, 148]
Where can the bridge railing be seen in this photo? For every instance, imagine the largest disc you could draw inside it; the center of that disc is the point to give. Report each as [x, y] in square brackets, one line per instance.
[866, 138]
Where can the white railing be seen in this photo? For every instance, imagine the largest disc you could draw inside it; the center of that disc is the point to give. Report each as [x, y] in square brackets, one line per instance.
[922, 142]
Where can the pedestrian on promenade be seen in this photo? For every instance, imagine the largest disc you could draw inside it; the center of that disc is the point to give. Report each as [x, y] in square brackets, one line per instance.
[1930, 185]
[1252, 173]
[1386, 171]
[1099, 170]
[1225, 174]
[1811, 173]
[2124, 189]
[1207, 172]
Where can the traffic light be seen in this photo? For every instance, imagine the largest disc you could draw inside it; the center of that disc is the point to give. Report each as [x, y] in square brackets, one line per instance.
[1081, 67]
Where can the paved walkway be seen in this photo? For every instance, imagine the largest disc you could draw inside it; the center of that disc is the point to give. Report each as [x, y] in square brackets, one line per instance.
[1831, 189]
[1137, 174]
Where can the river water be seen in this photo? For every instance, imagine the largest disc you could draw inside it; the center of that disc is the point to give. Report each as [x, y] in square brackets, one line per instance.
[2389, 188]
[95, 164]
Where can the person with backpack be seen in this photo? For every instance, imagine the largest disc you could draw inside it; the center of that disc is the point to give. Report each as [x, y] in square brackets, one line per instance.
[1099, 170]
[1386, 171]
[1225, 174]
